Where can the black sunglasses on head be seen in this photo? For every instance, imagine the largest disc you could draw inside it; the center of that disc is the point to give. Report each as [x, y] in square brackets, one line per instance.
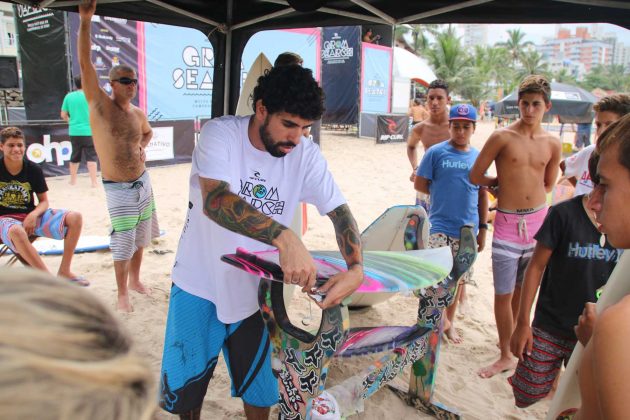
[126, 81]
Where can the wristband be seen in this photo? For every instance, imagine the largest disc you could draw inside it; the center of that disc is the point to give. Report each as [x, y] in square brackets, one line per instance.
[483, 226]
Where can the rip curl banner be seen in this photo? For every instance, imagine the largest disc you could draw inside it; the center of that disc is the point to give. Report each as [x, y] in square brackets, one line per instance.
[392, 128]
[114, 41]
[49, 145]
[376, 78]
[340, 74]
[42, 51]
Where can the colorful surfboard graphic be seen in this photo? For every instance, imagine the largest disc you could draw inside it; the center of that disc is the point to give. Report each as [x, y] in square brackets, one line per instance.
[385, 271]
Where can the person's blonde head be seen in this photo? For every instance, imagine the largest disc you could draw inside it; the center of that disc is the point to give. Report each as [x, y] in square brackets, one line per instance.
[535, 83]
[63, 354]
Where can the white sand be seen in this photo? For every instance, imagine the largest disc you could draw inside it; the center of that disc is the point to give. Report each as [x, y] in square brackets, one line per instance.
[373, 177]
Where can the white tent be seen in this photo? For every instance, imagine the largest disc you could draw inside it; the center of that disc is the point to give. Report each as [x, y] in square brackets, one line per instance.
[407, 67]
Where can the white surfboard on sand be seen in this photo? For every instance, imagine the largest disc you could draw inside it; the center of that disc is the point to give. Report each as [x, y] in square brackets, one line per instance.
[568, 393]
[261, 64]
[87, 243]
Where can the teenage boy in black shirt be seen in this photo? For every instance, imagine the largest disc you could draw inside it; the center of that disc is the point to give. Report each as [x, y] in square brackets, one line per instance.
[573, 260]
[20, 217]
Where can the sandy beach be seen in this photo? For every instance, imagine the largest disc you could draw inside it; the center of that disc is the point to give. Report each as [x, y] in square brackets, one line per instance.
[372, 177]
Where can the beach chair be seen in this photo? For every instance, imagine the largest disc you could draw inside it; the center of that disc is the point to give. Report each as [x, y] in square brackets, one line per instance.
[13, 258]
[301, 358]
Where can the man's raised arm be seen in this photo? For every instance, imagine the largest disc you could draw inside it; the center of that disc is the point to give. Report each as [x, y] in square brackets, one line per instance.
[89, 78]
[230, 211]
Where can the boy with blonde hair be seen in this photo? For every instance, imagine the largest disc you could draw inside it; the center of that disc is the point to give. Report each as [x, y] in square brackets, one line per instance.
[526, 159]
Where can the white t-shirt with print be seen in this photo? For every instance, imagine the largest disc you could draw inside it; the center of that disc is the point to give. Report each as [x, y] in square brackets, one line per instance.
[577, 166]
[274, 186]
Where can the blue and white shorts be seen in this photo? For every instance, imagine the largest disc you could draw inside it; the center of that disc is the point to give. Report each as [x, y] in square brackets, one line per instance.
[193, 339]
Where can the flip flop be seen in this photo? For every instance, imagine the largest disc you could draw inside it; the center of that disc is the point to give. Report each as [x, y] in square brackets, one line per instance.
[80, 280]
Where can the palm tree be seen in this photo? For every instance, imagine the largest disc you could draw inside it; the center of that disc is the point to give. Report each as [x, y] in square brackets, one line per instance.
[564, 76]
[419, 36]
[613, 77]
[448, 58]
[532, 63]
[515, 44]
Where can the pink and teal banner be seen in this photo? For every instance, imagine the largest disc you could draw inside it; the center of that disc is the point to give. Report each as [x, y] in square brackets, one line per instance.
[376, 80]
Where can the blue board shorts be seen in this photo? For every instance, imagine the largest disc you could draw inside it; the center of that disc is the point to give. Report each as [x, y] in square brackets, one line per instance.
[193, 339]
[51, 224]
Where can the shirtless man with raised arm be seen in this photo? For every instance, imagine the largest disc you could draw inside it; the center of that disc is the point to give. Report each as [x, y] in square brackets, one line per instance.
[121, 132]
[526, 159]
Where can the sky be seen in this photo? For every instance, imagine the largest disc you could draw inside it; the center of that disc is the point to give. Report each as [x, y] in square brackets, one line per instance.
[537, 32]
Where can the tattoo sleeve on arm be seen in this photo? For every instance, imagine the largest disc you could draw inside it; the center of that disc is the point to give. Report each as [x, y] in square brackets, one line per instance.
[348, 237]
[233, 213]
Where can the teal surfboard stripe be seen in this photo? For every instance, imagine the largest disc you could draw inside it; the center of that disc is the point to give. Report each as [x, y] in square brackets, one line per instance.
[394, 271]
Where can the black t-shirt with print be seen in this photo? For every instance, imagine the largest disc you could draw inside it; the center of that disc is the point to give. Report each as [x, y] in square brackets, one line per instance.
[17, 191]
[577, 268]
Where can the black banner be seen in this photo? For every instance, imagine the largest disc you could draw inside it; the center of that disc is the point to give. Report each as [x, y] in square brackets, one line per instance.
[42, 49]
[392, 128]
[341, 74]
[114, 42]
[49, 145]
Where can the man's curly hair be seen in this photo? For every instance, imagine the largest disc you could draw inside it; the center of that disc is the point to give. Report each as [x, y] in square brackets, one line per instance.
[291, 89]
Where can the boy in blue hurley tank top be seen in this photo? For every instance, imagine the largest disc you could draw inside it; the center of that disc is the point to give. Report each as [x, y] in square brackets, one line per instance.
[455, 201]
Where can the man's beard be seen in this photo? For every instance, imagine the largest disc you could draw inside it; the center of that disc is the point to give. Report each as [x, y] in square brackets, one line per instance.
[272, 148]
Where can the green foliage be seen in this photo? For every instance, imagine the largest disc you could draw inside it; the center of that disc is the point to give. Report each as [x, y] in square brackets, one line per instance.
[491, 72]
[613, 77]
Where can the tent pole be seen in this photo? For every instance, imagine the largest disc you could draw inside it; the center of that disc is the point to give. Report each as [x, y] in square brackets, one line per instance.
[228, 59]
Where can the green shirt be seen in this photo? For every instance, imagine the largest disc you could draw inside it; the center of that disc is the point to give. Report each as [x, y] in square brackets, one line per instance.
[76, 106]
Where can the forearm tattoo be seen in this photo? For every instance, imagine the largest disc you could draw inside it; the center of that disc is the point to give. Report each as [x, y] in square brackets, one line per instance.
[233, 213]
[348, 237]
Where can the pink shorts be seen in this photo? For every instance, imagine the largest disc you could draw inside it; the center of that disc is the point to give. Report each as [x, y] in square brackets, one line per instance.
[513, 245]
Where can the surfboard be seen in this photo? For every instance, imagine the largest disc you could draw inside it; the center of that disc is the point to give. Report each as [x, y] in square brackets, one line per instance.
[399, 228]
[258, 68]
[568, 393]
[87, 243]
[384, 271]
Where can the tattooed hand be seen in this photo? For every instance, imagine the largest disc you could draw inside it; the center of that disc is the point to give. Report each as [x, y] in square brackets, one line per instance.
[297, 265]
[342, 285]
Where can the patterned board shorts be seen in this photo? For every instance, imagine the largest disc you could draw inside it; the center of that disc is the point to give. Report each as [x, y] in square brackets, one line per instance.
[534, 376]
[51, 224]
[437, 240]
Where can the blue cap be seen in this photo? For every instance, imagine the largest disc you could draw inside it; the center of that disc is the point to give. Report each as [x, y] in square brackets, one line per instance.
[463, 112]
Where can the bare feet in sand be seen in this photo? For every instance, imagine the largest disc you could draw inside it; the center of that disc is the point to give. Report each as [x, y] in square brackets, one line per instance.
[451, 333]
[140, 288]
[501, 365]
[123, 304]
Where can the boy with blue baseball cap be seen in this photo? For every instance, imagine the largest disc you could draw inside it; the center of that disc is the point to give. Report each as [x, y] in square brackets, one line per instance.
[455, 201]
